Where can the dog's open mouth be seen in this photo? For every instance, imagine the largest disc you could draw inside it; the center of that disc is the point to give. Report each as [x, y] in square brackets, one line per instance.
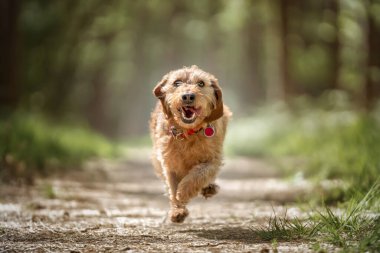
[189, 114]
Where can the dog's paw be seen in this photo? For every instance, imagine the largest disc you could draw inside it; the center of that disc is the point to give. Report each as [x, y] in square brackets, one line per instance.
[178, 215]
[210, 190]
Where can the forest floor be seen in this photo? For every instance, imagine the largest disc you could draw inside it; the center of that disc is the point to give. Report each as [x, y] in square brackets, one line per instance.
[112, 206]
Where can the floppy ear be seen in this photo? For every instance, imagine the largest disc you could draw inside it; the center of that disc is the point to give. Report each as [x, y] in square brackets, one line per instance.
[218, 110]
[157, 91]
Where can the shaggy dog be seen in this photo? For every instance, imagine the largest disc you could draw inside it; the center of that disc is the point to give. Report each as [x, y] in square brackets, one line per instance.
[188, 127]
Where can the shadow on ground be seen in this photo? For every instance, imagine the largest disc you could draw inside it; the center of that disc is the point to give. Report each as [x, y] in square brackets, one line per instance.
[235, 234]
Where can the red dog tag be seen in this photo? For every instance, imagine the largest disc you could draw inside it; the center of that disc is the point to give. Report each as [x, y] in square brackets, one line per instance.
[209, 131]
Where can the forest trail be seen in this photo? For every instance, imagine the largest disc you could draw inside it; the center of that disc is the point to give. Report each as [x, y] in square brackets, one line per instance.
[120, 207]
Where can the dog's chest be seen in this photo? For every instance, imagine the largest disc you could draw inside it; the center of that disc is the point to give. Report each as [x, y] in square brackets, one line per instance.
[183, 155]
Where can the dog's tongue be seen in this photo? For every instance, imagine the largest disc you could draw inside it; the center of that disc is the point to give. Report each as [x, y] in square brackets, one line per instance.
[191, 110]
[196, 111]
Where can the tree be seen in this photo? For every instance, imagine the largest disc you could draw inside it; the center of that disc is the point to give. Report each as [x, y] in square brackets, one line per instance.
[372, 85]
[9, 48]
[334, 46]
[287, 84]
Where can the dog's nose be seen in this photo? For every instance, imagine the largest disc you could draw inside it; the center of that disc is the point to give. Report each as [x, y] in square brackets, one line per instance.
[188, 97]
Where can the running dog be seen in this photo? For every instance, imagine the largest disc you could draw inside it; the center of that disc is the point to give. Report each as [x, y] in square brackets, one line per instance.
[188, 127]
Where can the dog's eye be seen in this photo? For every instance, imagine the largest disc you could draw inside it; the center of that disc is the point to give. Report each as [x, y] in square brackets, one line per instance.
[177, 83]
[201, 84]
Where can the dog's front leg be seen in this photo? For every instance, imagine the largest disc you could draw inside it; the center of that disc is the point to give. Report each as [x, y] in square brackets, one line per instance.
[178, 211]
[198, 177]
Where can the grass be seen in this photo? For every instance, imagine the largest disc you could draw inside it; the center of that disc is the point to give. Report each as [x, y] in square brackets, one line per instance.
[284, 229]
[356, 228]
[318, 140]
[31, 145]
[48, 191]
[324, 139]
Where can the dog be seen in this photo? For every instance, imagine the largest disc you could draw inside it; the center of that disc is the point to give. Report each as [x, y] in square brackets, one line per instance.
[188, 126]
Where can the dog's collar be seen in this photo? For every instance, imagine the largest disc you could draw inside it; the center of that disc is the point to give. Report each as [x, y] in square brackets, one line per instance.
[180, 134]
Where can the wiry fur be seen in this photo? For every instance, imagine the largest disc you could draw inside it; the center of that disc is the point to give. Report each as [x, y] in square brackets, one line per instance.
[188, 166]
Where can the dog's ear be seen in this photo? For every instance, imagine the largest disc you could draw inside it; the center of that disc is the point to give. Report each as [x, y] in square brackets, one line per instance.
[158, 93]
[218, 110]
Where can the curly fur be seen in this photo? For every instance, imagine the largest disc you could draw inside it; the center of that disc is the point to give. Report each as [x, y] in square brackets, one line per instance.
[189, 165]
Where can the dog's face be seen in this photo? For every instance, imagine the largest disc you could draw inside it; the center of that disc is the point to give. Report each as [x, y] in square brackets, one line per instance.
[191, 96]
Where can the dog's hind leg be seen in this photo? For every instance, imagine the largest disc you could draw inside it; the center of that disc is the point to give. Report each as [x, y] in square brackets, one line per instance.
[199, 177]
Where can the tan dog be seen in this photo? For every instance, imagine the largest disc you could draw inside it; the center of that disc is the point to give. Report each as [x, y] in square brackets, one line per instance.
[188, 127]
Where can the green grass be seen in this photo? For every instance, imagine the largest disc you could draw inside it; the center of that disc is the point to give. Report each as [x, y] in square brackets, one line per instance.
[47, 190]
[357, 227]
[285, 229]
[333, 142]
[325, 139]
[31, 145]
[354, 228]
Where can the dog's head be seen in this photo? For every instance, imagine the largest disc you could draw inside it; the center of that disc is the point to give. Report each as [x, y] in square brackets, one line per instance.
[191, 96]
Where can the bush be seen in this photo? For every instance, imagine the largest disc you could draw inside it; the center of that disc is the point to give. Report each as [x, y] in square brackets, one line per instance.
[323, 141]
[31, 145]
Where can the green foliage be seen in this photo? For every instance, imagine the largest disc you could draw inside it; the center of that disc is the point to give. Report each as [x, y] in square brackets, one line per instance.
[329, 141]
[30, 144]
[79, 55]
[285, 229]
[355, 228]
[48, 191]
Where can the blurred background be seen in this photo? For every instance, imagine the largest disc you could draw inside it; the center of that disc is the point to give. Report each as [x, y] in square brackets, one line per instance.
[76, 77]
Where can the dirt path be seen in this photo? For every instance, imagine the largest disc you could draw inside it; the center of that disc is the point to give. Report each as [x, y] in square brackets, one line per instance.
[120, 206]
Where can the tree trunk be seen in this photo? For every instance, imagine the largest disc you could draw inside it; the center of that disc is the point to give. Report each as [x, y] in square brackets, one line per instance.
[9, 50]
[96, 105]
[334, 47]
[252, 90]
[372, 86]
[288, 87]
